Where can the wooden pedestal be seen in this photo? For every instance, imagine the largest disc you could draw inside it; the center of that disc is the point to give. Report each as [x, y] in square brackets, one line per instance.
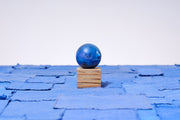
[88, 77]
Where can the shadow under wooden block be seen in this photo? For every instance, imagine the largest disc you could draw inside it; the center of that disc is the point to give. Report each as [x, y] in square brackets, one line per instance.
[88, 77]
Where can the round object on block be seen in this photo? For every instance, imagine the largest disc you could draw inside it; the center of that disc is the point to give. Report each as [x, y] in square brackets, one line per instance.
[88, 56]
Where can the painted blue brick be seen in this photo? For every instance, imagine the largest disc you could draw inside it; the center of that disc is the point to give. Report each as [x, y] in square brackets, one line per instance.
[63, 67]
[14, 77]
[115, 80]
[13, 118]
[90, 91]
[168, 86]
[33, 110]
[156, 80]
[116, 69]
[164, 106]
[71, 82]
[44, 72]
[176, 103]
[171, 71]
[146, 72]
[166, 82]
[43, 79]
[148, 115]
[35, 96]
[159, 100]
[18, 66]
[127, 69]
[6, 69]
[160, 67]
[3, 104]
[53, 94]
[136, 68]
[109, 69]
[103, 102]
[3, 85]
[168, 113]
[29, 86]
[5, 94]
[100, 115]
[151, 89]
[172, 94]
[142, 89]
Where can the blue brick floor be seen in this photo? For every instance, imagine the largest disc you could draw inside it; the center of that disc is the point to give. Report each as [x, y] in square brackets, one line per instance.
[45, 92]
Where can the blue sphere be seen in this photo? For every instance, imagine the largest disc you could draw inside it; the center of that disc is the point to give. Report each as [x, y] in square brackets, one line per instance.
[88, 56]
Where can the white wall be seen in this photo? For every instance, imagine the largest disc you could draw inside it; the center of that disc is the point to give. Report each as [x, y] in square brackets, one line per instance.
[126, 31]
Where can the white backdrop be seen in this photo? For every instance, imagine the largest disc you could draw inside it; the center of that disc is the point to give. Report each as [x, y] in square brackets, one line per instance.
[126, 31]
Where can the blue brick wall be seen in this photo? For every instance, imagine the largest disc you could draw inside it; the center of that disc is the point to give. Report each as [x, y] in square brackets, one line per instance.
[45, 92]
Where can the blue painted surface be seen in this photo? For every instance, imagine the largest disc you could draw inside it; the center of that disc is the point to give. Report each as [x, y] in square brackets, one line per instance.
[88, 56]
[103, 102]
[168, 113]
[29, 86]
[6, 69]
[53, 94]
[3, 104]
[13, 117]
[8, 78]
[148, 115]
[148, 72]
[33, 93]
[5, 94]
[33, 110]
[99, 115]
[49, 80]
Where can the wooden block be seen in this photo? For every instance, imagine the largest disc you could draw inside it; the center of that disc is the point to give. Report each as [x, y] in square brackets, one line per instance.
[88, 77]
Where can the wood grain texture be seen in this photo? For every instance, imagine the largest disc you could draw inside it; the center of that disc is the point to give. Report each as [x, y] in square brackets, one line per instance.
[87, 85]
[88, 77]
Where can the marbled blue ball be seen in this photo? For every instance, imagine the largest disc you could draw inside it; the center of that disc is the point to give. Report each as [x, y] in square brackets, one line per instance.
[88, 56]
